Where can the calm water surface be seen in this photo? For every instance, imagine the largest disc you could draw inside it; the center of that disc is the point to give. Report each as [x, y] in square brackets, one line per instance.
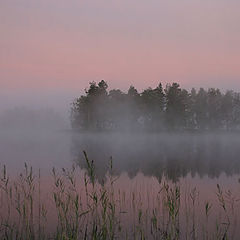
[142, 162]
[172, 155]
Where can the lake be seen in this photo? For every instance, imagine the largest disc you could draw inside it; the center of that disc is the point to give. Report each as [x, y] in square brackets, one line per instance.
[152, 186]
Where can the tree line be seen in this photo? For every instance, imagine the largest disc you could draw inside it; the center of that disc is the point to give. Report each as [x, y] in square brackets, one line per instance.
[155, 109]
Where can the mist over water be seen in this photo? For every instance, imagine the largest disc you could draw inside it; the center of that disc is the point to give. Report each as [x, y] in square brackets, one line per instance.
[33, 126]
[142, 161]
[42, 138]
[33, 136]
[172, 155]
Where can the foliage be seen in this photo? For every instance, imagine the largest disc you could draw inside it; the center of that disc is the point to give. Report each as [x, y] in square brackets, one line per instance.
[172, 108]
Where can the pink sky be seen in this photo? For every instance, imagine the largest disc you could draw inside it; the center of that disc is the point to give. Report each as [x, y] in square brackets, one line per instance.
[60, 44]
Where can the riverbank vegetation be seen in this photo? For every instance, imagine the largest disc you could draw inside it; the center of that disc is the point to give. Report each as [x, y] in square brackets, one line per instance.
[75, 205]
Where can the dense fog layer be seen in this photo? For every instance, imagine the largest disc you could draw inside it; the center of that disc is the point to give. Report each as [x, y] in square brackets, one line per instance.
[172, 155]
[35, 136]
[22, 118]
[43, 138]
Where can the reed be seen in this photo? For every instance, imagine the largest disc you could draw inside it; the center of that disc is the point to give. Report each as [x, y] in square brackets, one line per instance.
[79, 206]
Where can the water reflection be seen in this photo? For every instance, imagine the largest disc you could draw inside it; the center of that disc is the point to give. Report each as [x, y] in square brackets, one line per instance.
[170, 155]
[188, 159]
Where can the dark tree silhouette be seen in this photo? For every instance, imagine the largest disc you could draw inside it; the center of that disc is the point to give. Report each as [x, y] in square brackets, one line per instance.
[177, 102]
[155, 109]
[152, 101]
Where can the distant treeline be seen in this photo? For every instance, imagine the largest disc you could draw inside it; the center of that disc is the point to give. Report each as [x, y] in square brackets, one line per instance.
[158, 109]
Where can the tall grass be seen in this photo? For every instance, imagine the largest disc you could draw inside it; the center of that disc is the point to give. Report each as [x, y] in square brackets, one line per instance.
[78, 206]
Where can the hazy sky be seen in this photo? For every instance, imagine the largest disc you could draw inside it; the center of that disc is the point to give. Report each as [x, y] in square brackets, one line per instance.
[58, 45]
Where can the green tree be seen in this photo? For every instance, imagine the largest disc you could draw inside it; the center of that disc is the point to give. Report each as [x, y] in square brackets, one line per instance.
[214, 108]
[153, 107]
[200, 109]
[176, 106]
[133, 108]
[80, 113]
[227, 107]
[89, 112]
[117, 108]
[236, 111]
[192, 121]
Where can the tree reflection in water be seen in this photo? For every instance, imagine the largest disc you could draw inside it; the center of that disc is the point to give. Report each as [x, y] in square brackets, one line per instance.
[169, 155]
